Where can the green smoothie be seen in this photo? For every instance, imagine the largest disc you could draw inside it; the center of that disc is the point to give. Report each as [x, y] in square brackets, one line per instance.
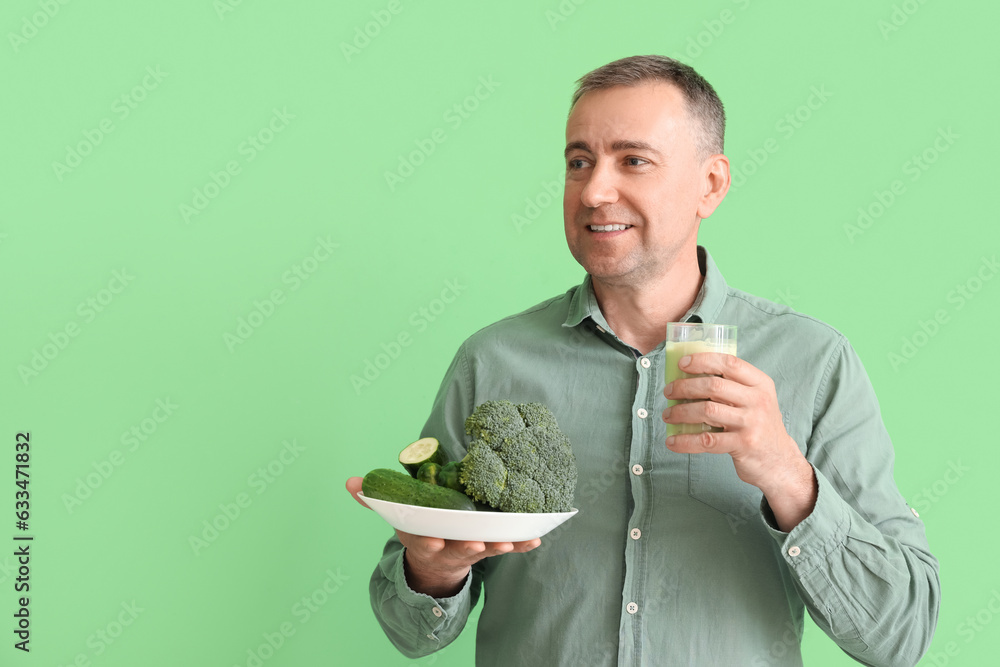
[675, 351]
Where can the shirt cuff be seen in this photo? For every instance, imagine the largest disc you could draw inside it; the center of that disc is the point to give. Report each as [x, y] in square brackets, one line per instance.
[434, 613]
[825, 529]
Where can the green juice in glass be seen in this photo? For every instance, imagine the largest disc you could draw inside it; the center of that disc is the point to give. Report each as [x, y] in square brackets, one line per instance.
[684, 338]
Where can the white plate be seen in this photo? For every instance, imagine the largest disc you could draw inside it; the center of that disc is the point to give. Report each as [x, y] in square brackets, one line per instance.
[465, 525]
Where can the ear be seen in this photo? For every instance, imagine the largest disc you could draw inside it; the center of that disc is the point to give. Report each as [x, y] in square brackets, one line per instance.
[714, 184]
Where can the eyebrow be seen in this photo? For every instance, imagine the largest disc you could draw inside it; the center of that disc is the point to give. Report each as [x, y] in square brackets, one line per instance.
[617, 145]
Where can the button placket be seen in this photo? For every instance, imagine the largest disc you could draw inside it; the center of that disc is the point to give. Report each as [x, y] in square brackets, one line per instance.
[643, 405]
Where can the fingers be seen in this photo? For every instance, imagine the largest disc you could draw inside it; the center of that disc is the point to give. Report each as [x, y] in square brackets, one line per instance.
[727, 365]
[522, 547]
[461, 552]
[354, 487]
[716, 414]
[481, 550]
[713, 387]
[421, 544]
[697, 443]
[437, 567]
[497, 548]
[444, 552]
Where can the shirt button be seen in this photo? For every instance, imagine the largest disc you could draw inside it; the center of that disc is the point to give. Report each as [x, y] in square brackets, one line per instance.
[437, 611]
[645, 362]
[635, 533]
[642, 413]
[637, 469]
[430, 637]
[914, 512]
[631, 607]
[794, 551]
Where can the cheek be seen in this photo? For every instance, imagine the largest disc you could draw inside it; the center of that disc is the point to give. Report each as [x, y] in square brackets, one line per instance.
[570, 202]
[571, 191]
[669, 199]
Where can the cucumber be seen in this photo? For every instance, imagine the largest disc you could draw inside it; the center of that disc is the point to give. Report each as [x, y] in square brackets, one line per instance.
[398, 487]
[420, 452]
[429, 473]
[448, 476]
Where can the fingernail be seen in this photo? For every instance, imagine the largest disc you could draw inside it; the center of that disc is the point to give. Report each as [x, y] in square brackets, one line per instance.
[670, 441]
[685, 360]
[666, 414]
[669, 388]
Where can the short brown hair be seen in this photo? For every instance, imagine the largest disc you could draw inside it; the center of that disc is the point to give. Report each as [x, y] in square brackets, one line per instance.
[702, 101]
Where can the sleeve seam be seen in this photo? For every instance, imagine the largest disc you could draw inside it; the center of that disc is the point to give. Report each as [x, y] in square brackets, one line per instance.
[466, 379]
[824, 384]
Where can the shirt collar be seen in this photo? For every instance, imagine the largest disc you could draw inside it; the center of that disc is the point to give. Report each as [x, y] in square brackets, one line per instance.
[706, 307]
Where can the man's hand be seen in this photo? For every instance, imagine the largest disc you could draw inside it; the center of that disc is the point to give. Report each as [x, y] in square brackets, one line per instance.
[439, 567]
[743, 402]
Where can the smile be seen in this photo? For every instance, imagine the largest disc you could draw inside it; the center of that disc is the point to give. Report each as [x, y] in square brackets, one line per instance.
[608, 228]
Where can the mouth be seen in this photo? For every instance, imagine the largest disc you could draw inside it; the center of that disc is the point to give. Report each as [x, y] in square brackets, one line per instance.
[608, 228]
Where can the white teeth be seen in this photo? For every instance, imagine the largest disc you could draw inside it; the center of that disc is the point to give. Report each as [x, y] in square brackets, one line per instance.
[608, 228]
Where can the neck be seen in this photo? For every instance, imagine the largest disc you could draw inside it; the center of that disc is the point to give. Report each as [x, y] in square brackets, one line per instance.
[638, 312]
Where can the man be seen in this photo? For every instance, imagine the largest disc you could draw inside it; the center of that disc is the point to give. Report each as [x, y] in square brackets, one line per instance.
[694, 550]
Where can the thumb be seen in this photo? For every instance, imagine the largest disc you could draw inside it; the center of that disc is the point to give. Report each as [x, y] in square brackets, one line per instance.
[354, 487]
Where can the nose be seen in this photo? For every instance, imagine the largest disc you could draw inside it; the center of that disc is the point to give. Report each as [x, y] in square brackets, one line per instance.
[601, 187]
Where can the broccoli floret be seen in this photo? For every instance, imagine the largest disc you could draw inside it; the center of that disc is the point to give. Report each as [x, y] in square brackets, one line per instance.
[484, 475]
[518, 460]
[536, 414]
[523, 494]
[520, 452]
[494, 424]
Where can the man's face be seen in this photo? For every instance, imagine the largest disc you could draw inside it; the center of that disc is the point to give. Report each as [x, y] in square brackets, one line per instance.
[631, 159]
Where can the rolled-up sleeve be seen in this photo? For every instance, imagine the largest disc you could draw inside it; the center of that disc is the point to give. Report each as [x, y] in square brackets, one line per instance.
[415, 623]
[860, 560]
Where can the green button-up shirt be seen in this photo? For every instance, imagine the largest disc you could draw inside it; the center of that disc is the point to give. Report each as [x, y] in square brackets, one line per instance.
[672, 559]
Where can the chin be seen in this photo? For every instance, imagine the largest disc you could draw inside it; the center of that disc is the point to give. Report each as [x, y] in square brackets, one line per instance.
[612, 275]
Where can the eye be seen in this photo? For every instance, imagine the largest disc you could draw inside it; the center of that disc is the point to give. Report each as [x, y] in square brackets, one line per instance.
[576, 163]
[635, 161]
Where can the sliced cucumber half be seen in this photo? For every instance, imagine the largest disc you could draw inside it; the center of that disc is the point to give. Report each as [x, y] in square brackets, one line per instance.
[420, 452]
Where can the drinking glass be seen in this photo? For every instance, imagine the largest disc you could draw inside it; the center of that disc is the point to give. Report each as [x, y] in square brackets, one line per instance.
[684, 338]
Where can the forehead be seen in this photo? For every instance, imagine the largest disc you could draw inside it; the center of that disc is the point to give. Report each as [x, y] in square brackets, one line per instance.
[655, 112]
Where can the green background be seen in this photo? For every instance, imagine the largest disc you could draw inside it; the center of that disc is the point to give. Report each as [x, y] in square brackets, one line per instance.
[895, 75]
